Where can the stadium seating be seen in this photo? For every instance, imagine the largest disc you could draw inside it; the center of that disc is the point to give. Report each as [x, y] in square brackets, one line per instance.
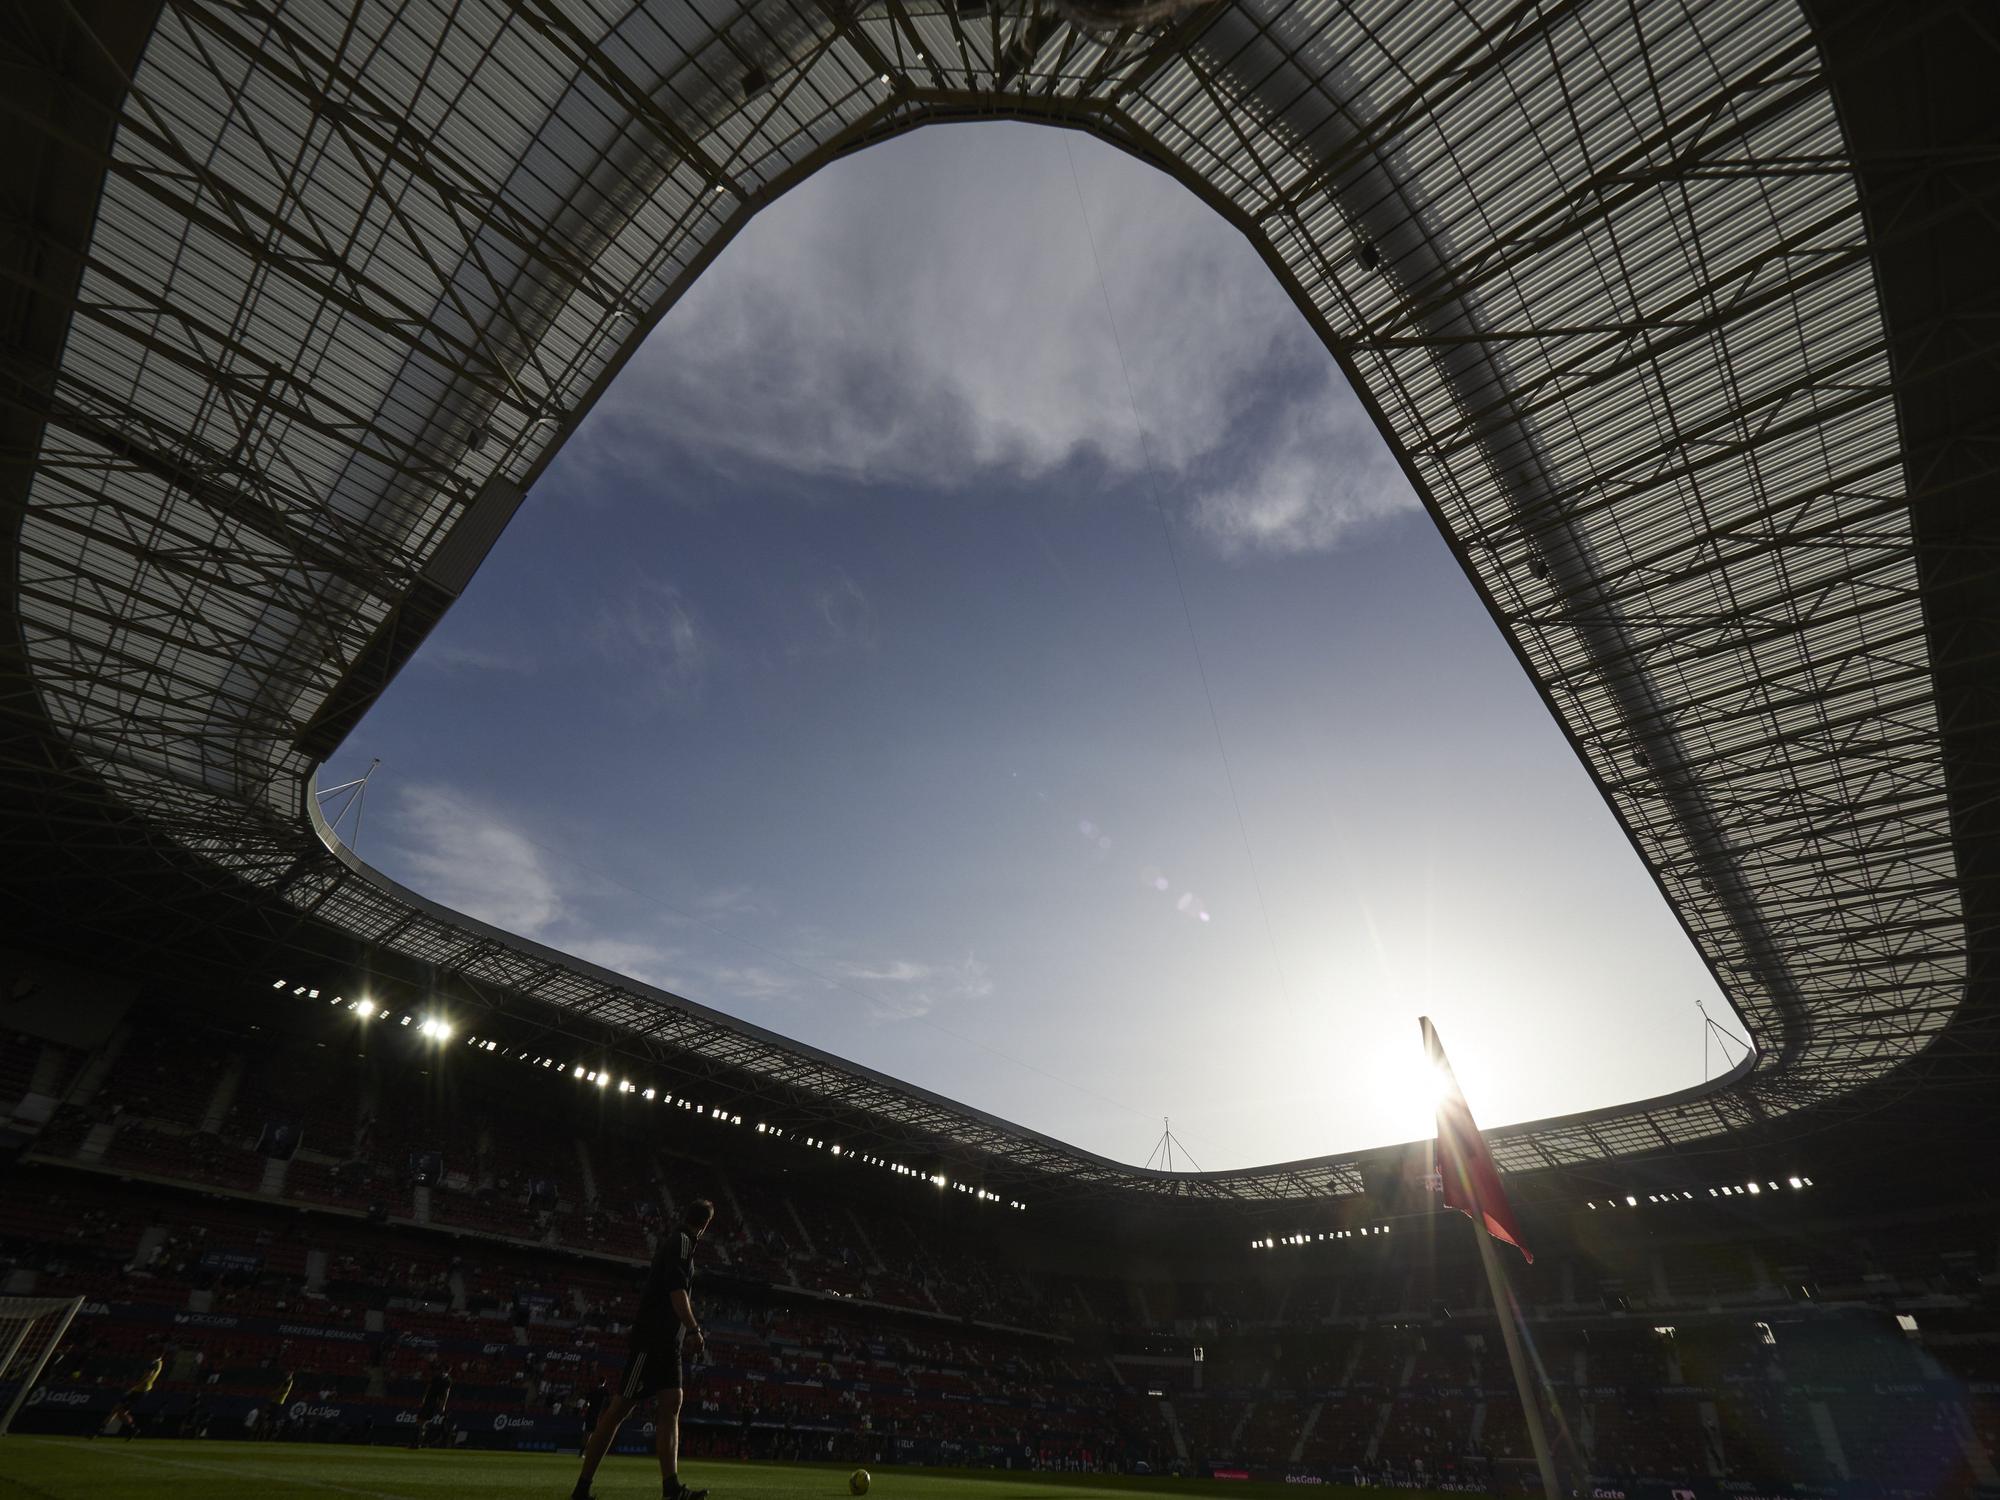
[872, 1327]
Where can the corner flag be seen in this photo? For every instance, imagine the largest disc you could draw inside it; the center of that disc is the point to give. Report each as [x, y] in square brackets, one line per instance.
[1470, 1181]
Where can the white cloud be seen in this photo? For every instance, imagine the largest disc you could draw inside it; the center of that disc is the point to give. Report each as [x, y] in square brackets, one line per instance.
[859, 331]
[1303, 494]
[756, 983]
[904, 989]
[473, 859]
[843, 617]
[648, 962]
[475, 862]
[652, 627]
[453, 849]
[447, 658]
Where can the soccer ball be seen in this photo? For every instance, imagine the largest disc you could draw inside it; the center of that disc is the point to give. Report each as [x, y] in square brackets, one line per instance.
[857, 1482]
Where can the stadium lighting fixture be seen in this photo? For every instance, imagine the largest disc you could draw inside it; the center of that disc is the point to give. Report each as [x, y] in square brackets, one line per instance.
[1631, 1201]
[578, 1073]
[650, 1094]
[312, 994]
[277, 984]
[298, 989]
[603, 1079]
[1752, 1187]
[364, 1008]
[406, 1021]
[1796, 1182]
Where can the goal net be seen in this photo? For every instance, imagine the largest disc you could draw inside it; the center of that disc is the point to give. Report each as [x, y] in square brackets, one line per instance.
[30, 1329]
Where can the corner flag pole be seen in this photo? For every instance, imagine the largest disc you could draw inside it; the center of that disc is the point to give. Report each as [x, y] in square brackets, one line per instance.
[1468, 1181]
[1503, 1306]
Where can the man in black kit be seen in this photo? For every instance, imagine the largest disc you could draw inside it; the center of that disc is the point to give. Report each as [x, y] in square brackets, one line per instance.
[430, 1416]
[589, 1407]
[666, 1322]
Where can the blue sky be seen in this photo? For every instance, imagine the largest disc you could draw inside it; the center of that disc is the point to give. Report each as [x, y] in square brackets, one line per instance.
[851, 671]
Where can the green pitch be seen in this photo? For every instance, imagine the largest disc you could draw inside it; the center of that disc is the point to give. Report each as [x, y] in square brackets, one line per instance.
[34, 1468]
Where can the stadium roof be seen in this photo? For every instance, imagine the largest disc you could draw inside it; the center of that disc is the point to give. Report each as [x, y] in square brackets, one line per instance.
[1647, 331]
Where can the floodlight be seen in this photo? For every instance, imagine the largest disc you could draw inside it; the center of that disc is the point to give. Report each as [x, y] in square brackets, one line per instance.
[650, 1094]
[298, 989]
[277, 984]
[1630, 1201]
[602, 1079]
[1796, 1182]
[312, 994]
[364, 1008]
[578, 1073]
[1752, 1187]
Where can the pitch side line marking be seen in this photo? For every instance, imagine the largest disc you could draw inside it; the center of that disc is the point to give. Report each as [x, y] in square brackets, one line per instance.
[265, 1475]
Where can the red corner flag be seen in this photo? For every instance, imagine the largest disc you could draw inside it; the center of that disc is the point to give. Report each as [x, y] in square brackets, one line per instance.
[1470, 1181]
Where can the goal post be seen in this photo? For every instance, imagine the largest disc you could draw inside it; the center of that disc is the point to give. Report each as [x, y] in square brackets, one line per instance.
[30, 1330]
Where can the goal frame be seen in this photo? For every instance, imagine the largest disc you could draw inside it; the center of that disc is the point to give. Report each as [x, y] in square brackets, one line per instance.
[65, 1310]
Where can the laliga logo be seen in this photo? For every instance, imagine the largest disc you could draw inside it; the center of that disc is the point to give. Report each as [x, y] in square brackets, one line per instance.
[501, 1421]
[298, 1410]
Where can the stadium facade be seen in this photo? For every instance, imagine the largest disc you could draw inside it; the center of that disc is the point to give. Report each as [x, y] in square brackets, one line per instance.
[1675, 317]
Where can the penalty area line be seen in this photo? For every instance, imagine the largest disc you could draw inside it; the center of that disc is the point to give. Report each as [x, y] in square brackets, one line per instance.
[113, 1446]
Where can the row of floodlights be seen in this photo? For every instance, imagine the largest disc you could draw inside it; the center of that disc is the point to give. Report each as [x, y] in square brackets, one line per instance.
[435, 1027]
[440, 1030]
[1726, 1190]
[896, 1168]
[1272, 1242]
[602, 1079]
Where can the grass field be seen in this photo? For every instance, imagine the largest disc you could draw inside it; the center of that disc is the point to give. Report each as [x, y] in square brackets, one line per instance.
[37, 1468]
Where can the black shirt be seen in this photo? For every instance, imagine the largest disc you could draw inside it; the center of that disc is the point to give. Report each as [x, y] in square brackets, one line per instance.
[672, 1271]
[438, 1392]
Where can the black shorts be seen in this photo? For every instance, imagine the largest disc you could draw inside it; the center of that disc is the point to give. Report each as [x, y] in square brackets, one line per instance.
[654, 1365]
